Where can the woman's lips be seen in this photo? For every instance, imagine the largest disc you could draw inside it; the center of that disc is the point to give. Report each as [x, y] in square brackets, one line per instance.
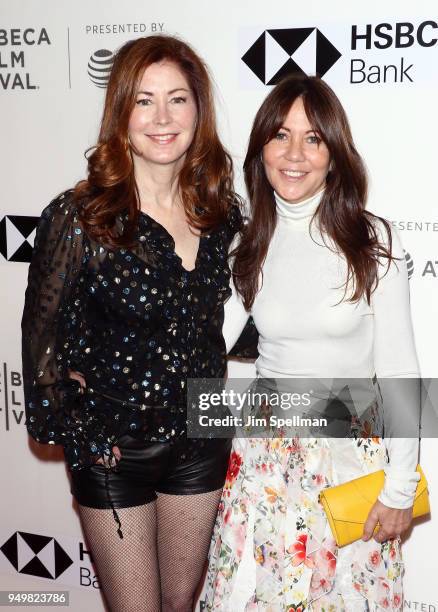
[293, 175]
[162, 139]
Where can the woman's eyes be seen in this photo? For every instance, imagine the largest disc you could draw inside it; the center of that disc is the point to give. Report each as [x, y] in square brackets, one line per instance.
[148, 101]
[313, 139]
[309, 139]
[144, 102]
[281, 136]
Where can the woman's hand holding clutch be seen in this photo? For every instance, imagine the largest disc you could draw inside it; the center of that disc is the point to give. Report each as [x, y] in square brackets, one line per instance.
[391, 522]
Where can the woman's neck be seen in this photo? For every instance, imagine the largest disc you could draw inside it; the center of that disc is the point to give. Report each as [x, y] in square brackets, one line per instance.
[300, 212]
[157, 186]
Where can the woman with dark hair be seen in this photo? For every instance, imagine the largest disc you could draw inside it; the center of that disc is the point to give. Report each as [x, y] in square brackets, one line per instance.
[326, 283]
[124, 303]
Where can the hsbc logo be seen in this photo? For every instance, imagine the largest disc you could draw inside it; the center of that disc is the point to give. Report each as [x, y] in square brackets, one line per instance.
[17, 234]
[36, 555]
[359, 54]
[279, 52]
[399, 35]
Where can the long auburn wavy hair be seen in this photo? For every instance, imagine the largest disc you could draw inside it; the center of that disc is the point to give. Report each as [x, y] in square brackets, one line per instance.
[206, 178]
[341, 213]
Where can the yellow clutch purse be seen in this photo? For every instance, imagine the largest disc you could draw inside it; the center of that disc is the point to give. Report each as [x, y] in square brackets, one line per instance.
[347, 505]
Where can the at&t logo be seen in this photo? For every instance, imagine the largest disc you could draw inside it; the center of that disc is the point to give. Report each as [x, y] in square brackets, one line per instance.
[429, 269]
[99, 67]
[409, 264]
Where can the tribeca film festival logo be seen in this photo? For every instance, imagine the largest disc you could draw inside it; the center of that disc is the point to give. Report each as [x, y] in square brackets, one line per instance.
[371, 53]
[17, 234]
[62, 559]
[15, 45]
[11, 394]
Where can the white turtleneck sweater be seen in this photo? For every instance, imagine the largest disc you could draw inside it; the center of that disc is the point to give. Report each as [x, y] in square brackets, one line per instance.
[307, 330]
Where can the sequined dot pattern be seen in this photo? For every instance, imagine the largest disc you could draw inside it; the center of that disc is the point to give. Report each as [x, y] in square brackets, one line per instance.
[134, 322]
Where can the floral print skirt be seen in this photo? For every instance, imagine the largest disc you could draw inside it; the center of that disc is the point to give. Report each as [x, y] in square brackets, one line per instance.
[272, 548]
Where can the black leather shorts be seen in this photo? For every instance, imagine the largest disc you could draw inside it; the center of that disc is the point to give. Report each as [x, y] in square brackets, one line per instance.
[148, 468]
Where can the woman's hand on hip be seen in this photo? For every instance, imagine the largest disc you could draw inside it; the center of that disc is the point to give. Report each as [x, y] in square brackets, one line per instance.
[107, 462]
[392, 522]
[79, 377]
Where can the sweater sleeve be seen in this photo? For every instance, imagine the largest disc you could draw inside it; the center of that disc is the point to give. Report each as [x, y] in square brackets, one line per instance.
[56, 261]
[395, 358]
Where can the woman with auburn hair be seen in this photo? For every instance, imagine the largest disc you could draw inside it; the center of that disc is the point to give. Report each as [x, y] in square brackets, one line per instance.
[124, 303]
[326, 283]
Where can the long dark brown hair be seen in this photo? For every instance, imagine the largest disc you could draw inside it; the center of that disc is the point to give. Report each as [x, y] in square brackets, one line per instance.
[341, 213]
[206, 178]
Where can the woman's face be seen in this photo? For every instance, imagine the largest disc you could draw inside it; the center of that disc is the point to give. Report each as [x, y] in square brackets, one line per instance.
[296, 160]
[162, 125]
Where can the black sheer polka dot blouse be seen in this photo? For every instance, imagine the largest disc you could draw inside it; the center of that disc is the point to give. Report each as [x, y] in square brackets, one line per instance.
[135, 323]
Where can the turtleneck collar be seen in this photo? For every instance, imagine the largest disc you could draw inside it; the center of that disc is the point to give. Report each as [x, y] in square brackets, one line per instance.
[300, 213]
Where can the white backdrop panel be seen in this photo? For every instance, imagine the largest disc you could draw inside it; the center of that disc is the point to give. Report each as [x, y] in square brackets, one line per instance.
[50, 116]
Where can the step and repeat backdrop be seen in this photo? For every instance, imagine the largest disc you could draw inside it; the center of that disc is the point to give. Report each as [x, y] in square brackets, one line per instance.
[381, 58]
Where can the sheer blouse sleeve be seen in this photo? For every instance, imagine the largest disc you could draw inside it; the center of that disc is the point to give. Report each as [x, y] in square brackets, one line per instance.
[49, 302]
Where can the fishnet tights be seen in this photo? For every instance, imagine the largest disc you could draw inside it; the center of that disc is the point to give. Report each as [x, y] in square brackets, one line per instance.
[159, 563]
